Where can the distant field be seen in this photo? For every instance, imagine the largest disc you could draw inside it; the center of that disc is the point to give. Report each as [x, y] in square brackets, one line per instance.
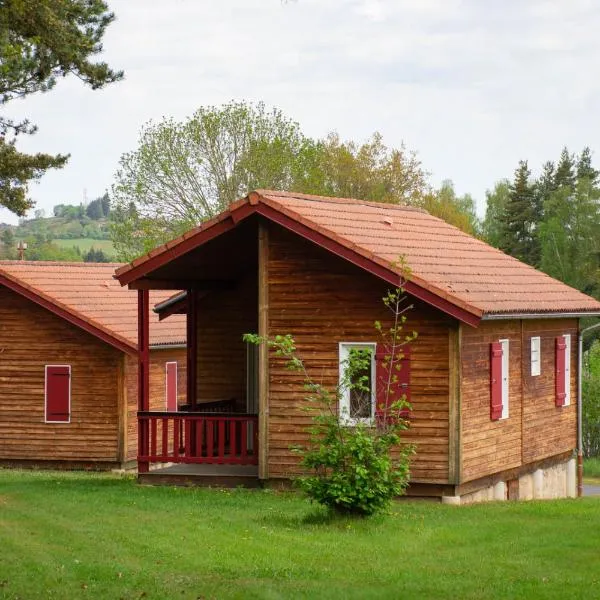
[85, 244]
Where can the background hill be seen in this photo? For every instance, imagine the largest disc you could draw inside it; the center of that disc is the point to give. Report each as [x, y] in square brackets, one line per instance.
[72, 233]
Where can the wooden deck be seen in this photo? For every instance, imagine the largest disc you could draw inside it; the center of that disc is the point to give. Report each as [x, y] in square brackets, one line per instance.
[207, 475]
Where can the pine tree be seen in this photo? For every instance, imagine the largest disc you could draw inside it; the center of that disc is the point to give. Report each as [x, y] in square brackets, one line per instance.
[544, 187]
[584, 167]
[565, 175]
[518, 221]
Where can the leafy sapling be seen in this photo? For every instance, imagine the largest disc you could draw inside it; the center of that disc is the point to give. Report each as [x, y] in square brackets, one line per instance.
[354, 460]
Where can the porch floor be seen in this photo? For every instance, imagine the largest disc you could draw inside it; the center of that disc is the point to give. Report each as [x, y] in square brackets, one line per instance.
[202, 475]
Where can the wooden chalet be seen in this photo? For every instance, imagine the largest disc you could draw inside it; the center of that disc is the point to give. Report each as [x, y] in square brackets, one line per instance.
[69, 369]
[492, 376]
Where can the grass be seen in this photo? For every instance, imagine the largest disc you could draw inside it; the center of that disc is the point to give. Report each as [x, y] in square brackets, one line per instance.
[591, 470]
[74, 535]
[86, 244]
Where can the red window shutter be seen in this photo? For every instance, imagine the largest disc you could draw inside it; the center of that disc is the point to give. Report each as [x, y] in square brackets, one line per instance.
[399, 382]
[495, 381]
[171, 386]
[58, 394]
[561, 392]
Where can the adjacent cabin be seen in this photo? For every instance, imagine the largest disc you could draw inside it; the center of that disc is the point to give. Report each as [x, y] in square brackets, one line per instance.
[491, 377]
[69, 366]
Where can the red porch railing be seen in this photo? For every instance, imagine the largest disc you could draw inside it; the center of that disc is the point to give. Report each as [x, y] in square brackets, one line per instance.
[179, 437]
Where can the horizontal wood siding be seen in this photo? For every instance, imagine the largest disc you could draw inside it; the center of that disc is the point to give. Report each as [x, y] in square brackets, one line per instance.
[322, 300]
[158, 360]
[30, 338]
[547, 429]
[536, 428]
[223, 318]
[489, 446]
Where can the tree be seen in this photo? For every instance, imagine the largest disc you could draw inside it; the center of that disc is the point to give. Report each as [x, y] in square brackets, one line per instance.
[8, 238]
[185, 172]
[94, 209]
[518, 236]
[570, 236]
[545, 186]
[369, 171]
[496, 201]
[570, 225]
[8, 243]
[105, 202]
[585, 170]
[39, 248]
[565, 174]
[95, 256]
[456, 210]
[591, 401]
[41, 41]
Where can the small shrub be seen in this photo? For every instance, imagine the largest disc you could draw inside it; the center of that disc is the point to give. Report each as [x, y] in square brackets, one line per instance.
[354, 467]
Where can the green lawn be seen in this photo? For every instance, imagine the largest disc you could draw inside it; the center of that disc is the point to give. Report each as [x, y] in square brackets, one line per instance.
[85, 244]
[69, 535]
[591, 469]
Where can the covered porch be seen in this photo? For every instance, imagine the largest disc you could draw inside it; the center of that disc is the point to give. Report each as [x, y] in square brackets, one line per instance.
[216, 433]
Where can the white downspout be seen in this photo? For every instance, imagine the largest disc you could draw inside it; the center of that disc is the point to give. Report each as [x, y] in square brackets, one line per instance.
[582, 332]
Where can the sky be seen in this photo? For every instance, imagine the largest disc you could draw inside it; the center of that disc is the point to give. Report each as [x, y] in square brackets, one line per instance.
[472, 86]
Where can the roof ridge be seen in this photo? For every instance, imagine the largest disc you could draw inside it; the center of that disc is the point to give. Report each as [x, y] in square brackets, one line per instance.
[334, 200]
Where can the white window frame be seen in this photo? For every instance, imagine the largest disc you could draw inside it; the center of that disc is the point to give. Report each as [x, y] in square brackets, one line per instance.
[505, 378]
[567, 374]
[536, 355]
[46, 367]
[171, 362]
[344, 407]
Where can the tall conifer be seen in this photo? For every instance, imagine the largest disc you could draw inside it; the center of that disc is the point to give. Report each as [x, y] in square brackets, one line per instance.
[518, 221]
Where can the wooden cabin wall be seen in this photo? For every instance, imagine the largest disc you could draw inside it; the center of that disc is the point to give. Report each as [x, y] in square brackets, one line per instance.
[322, 300]
[158, 360]
[489, 446]
[223, 318]
[535, 428]
[548, 430]
[30, 338]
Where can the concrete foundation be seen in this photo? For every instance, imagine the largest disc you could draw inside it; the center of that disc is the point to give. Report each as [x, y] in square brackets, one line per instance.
[556, 481]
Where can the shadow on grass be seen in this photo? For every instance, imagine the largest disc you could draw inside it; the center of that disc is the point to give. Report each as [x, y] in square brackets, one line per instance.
[317, 517]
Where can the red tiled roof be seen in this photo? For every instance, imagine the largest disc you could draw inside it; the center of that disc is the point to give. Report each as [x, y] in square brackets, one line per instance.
[89, 292]
[444, 261]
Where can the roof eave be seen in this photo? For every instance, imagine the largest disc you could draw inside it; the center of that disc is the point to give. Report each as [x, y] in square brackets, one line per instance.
[540, 315]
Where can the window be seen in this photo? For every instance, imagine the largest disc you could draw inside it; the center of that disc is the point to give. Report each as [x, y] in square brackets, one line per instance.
[171, 386]
[57, 394]
[499, 380]
[357, 401]
[563, 370]
[536, 364]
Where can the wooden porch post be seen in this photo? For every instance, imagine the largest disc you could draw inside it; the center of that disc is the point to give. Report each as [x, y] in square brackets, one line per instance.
[263, 352]
[143, 376]
[192, 348]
